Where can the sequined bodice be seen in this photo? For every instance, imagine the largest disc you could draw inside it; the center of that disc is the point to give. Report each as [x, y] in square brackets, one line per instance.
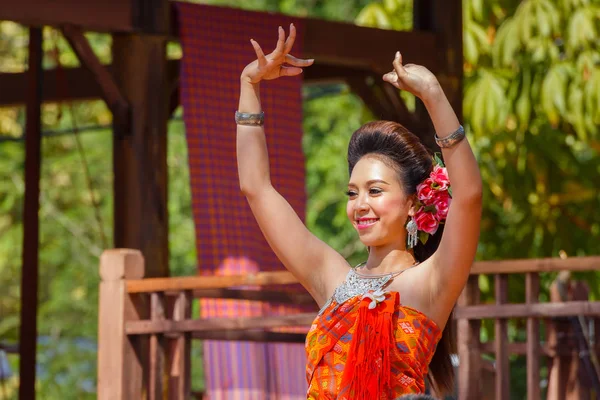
[352, 328]
[355, 285]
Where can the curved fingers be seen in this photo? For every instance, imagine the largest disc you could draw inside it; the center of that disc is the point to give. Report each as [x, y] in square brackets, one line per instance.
[297, 62]
[278, 52]
[398, 67]
[289, 43]
[289, 71]
[260, 55]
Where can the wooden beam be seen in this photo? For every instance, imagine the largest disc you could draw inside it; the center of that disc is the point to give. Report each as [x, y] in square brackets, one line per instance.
[65, 84]
[31, 206]
[120, 368]
[285, 277]
[215, 324]
[111, 93]
[378, 106]
[322, 73]
[532, 293]
[501, 338]
[540, 310]
[149, 16]
[140, 149]
[71, 84]
[520, 348]
[372, 49]
[251, 336]
[209, 282]
[179, 368]
[343, 44]
[106, 15]
[403, 115]
[468, 343]
[590, 263]
[442, 18]
[326, 41]
[156, 362]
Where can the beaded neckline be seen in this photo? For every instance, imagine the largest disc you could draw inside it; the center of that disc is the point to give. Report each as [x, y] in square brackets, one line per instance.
[359, 284]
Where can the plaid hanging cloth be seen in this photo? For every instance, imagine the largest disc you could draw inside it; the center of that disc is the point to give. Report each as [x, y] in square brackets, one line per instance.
[216, 47]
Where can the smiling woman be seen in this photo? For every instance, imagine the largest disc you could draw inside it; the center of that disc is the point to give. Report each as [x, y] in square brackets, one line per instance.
[377, 334]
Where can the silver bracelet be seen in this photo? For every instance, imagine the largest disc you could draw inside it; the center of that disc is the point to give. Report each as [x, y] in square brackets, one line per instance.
[242, 118]
[452, 139]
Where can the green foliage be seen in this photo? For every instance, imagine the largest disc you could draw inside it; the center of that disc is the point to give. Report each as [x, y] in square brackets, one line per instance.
[327, 171]
[389, 14]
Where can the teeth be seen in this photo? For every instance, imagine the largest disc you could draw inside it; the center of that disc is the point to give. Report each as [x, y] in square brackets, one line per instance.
[366, 221]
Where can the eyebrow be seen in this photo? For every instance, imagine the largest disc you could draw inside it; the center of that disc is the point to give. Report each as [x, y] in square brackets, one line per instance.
[372, 181]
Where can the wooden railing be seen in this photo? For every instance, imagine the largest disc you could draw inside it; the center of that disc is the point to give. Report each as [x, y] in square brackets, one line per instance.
[469, 314]
[146, 326]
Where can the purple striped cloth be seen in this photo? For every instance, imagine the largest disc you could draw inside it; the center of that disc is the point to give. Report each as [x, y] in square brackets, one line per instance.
[216, 47]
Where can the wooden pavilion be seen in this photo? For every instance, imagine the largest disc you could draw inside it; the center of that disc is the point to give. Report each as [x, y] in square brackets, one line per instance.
[141, 30]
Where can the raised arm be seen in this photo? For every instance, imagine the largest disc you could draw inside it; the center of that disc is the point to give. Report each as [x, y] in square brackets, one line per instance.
[316, 265]
[452, 261]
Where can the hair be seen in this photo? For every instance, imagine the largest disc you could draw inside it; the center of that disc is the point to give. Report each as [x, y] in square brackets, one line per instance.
[416, 397]
[401, 150]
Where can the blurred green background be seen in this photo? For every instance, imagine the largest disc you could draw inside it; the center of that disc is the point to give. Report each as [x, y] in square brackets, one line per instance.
[532, 113]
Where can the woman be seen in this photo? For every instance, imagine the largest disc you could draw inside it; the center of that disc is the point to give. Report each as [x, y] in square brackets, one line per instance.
[380, 323]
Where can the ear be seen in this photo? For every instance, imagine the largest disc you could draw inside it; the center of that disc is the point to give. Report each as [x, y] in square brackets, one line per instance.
[412, 204]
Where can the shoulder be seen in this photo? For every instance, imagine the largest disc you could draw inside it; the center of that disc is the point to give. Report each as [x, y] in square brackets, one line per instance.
[334, 275]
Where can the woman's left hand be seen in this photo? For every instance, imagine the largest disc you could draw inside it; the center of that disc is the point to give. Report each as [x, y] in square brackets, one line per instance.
[413, 78]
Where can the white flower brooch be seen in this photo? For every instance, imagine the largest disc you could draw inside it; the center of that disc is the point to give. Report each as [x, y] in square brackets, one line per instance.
[376, 297]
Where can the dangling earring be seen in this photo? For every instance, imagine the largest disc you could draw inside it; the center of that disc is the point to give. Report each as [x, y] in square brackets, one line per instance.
[411, 227]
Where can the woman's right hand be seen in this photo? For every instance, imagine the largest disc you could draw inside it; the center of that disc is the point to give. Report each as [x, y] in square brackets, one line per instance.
[276, 64]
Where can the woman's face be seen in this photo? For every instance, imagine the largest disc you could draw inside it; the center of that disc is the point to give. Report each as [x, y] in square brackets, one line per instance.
[377, 205]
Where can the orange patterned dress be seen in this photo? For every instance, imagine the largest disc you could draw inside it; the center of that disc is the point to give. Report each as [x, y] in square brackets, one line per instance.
[365, 344]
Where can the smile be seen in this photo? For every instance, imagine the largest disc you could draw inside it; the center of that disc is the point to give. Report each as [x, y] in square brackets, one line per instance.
[366, 223]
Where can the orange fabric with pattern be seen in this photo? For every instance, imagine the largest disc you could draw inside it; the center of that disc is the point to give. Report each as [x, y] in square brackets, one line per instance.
[359, 353]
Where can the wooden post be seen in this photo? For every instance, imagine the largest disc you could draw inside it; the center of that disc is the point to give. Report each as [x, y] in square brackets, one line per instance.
[443, 17]
[179, 351]
[501, 341]
[157, 358]
[140, 149]
[532, 292]
[469, 372]
[31, 207]
[565, 377]
[119, 363]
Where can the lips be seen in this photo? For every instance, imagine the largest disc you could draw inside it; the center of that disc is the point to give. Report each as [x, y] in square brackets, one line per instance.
[365, 223]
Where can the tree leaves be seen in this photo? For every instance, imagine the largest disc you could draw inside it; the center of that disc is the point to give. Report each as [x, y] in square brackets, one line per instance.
[554, 92]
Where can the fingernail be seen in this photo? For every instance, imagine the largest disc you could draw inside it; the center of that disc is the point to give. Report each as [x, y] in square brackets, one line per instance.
[397, 54]
[311, 60]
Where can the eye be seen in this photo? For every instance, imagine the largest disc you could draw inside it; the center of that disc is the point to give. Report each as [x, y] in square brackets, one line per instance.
[375, 191]
[350, 193]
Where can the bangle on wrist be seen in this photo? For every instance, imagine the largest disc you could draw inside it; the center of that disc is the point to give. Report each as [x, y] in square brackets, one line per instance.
[451, 140]
[250, 119]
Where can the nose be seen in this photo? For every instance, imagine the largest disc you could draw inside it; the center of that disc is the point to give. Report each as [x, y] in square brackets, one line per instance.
[361, 204]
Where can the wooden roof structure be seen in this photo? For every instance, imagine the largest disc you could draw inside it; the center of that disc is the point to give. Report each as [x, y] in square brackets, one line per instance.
[141, 29]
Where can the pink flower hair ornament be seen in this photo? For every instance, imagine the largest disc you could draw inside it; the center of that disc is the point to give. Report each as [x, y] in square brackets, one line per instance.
[434, 196]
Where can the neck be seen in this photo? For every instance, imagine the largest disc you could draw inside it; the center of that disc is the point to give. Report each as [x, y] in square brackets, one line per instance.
[383, 259]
